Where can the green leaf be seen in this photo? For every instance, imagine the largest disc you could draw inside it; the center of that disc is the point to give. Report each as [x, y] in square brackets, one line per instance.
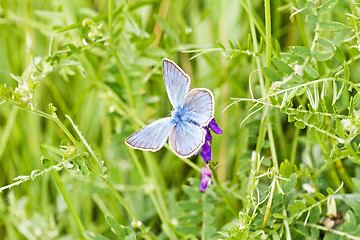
[326, 44]
[209, 220]
[339, 54]
[300, 124]
[331, 26]
[309, 199]
[221, 45]
[289, 185]
[311, 71]
[190, 219]
[311, 19]
[194, 206]
[300, 204]
[293, 209]
[286, 169]
[320, 196]
[291, 58]
[315, 214]
[189, 230]
[46, 163]
[327, 6]
[279, 216]
[232, 46]
[94, 236]
[192, 192]
[330, 191]
[283, 67]
[271, 74]
[310, 4]
[208, 207]
[339, 129]
[322, 56]
[296, 78]
[301, 51]
[116, 227]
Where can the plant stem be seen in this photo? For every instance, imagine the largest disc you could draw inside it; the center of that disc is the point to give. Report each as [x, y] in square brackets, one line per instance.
[151, 192]
[294, 145]
[272, 144]
[268, 32]
[268, 207]
[222, 192]
[331, 230]
[69, 203]
[301, 26]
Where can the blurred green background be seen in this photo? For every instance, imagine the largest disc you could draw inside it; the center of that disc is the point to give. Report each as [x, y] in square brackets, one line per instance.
[105, 73]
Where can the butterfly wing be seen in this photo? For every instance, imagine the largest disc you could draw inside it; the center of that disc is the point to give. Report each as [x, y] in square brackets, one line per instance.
[177, 83]
[199, 104]
[186, 139]
[151, 137]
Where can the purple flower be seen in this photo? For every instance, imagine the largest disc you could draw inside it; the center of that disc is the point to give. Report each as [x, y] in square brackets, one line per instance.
[206, 177]
[206, 153]
[214, 127]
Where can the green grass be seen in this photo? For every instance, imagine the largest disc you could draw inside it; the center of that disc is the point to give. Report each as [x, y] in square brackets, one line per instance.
[78, 77]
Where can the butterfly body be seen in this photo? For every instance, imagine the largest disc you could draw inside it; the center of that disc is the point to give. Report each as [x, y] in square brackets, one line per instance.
[192, 111]
[183, 115]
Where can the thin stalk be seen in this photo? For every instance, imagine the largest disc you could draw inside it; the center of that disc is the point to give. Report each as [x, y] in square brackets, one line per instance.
[151, 193]
[280, 134]
[287, 227]
[220, 188]
[344, 175]
[272, 144]
[158, 191]
[301, 26]
[268, 32]
[69, 203]
[331, 230]
[294, 145]
[123, 203]
[254, 168]
[256, 50]
[268, 207]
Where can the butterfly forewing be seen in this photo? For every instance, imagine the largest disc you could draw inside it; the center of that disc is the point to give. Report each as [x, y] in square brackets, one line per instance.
[176, 82]
[199, 104]
[153, 136]
[186, 139]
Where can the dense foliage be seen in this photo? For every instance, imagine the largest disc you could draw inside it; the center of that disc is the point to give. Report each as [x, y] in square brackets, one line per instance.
[78, 77]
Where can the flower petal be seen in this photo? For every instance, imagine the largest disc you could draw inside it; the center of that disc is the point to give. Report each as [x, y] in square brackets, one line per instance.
[206, 153]
[214, 127]
[208, 136]
[206, 177]
[203, 184]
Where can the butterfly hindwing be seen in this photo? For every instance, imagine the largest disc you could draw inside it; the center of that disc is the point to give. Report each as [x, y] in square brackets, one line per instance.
[151, 137]
[177, 83]
[199, 104]
[186, 139]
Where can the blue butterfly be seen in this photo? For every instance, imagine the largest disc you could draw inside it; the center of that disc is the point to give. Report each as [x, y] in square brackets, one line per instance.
[192, 111]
